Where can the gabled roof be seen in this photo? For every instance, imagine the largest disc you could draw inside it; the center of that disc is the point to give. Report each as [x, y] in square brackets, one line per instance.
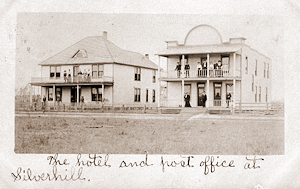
[201, 49]
[98, 50]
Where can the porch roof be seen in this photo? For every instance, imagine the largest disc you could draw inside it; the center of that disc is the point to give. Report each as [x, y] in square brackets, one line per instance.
[203, 49]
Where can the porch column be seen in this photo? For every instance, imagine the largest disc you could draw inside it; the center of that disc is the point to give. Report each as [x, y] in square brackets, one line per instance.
[207, 94]
[102, 92]
[54, 95]
[30, 96]
[207, 64]
[158, 79]
[77, 100]
[182, 92]
[182, 66]
[234, 81]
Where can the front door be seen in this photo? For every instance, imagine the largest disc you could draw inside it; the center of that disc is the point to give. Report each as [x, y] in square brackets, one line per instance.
[74, 94]
[217, 94]
[201, 101]
[187, 95]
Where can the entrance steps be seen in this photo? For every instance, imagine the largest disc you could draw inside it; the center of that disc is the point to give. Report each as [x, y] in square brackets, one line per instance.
[219, 110]
[193, 110]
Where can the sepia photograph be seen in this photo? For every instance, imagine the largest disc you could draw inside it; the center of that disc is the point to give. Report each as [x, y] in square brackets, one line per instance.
[149, 83]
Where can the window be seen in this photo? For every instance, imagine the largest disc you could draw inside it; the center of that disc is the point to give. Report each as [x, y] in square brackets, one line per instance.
[50, 94]
[54, 71]
[137, 74]
[266, 94]
[264, 69]
[255, 93]
[57, 71]
[153, 95]
[246, 68]
[58, 93]
[259, 94]
[252, 82]
[137, 94]
[100, 70]
[97, 93]
[146, 95]
[154, 75]
[255, 67]
[267, 70]
[97, 71]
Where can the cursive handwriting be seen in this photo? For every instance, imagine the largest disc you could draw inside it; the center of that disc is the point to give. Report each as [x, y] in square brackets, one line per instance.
[26, 175]
[94, 161]
[210, 165]
[248, 165]
[183, 163]
[141, 164]
[56, 161]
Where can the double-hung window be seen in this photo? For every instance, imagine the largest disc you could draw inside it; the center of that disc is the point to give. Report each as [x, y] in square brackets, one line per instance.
[137, 74]
[154, 76]
[147, 95]
[97, 70]
[255, 67]
[137, 94]
[153, 96]
[246, 67]
[97, 93]
[54, 71]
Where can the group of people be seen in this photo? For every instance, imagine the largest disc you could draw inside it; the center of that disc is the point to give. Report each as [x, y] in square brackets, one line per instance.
[202, 99]
[202, 69]
[84, 76]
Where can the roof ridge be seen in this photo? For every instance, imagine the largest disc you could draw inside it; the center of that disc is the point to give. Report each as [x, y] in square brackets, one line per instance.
[62, 50]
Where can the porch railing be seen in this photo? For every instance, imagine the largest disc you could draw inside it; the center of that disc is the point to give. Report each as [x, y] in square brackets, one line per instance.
[197, 74]
[77, 79]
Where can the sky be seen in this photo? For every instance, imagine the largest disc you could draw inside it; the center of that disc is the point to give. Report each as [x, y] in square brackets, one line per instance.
[42, 35]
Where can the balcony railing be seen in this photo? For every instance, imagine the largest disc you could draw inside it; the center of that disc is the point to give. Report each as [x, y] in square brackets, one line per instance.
[77, 79]
[197, 74]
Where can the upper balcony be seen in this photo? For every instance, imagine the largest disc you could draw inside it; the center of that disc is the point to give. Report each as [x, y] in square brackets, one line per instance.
[198, 74]
[82, 80]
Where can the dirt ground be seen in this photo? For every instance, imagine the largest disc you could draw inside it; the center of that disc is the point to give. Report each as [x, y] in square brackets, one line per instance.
[111, 135]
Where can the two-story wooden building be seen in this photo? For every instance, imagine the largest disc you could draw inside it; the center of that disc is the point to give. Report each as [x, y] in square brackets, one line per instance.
[94, 70]
[229, 73]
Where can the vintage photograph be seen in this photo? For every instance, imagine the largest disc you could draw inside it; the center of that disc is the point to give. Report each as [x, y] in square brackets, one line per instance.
[155, 83]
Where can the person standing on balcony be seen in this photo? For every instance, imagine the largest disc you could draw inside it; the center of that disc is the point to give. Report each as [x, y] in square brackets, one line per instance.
[84, 75]
[69, 76]
[219, 69]
[89, 75]
[187, 69]
[205, 68]
[79, 76]
[178, 68]
[65, 76]
[199, 67]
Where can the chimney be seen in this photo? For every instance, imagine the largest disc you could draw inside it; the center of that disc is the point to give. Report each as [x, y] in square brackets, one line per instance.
[147, 56]
[105, 34]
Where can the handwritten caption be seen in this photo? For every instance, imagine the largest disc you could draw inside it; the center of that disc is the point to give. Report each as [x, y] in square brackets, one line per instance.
[65, 170]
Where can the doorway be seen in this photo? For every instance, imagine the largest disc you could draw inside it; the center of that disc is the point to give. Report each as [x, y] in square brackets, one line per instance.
[187, 95]
[74, 94]
[201, 101]
[217, 94]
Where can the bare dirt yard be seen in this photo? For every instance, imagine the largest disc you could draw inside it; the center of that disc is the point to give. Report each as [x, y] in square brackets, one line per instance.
[176, 135]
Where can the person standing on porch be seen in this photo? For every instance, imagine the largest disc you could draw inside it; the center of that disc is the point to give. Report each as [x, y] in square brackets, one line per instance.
[228, 97]
[44, 103]
[211, 68]
[69, 76]
[187, 69]
[204, 98]
[178, 68]
[187, 100]
[199, 67]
